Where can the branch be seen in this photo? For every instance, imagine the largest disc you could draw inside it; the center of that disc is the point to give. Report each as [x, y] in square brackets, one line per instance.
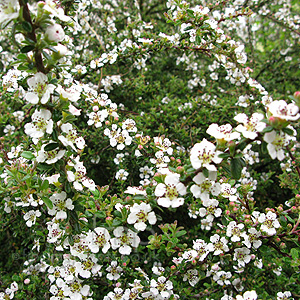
[37, 54]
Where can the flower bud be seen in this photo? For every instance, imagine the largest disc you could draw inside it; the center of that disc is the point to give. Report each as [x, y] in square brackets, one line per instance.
[26, 281]
[55, 33]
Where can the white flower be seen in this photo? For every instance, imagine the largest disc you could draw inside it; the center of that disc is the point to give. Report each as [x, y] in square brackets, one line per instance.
[281, 110]
[204, 154]
[276, 144]
[162, 287]
[234, 231]
[250, 126]
[202, 248]
[221, 277]
[129, 125]
[99, 238]
[204, 185]
[54, 232]
[60, 205]
[252, 238]
[124, 240]
[191, 276]
[79, 177]
[284, 295]
[249, 295]
[242, 255]
[49, 157]
[41, 123]
[30, 217]
[163, 144]
[139, 215]
[211, 209]
[222, 133]
[269, 222]
[70, 137]
[87, 267]
[121, 175]
[114, 271]
[39, 90]
[161, 160]
[55, 33]
[218, 245]
[169, 191]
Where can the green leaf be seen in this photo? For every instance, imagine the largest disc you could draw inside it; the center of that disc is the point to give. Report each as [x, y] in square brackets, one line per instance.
[236, 168]
[294, 253]
[27, 48]
[116, 222]
[224, 155]
[205, 172]
[45, 185]
[268, 129]
[100, 214]
[27, 26]
[288, 131]
[47, 201]
[22, 56]
[28, 155]
[181, 233]
[51, 146]
[96, 193]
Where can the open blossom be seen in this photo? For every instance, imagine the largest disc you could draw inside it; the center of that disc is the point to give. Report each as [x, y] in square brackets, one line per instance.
[251, 126]
[222, 133]
[252, 238]
[284, 295]
[210, 209]
[163, 144]
[79, 177]
[70, 137]
[204, 186]
[249, 295]
[140, 214]
[192, 277]
[204, 154]
[30, 217]
[276, 144]
[60, 205]
[49, 157]
[41, 123]
[88, 266]
[170, 191]
[234, 231]
[99, 238]
[242, 256]
[114, 271]
[269, 222]
[281, 110]
[218, 245]
[162, 288]
[39, 90]
[124, 239]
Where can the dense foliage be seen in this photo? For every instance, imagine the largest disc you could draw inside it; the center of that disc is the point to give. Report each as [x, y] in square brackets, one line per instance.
[149, 149]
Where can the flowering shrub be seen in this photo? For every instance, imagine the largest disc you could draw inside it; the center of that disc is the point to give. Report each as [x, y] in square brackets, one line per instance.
[146, 151]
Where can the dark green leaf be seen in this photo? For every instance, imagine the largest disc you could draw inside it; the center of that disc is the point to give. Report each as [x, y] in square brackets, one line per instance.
[27, 48]
[288, 131]
[236, 168]
[51, 146]
[27, 26]
[224, 155]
